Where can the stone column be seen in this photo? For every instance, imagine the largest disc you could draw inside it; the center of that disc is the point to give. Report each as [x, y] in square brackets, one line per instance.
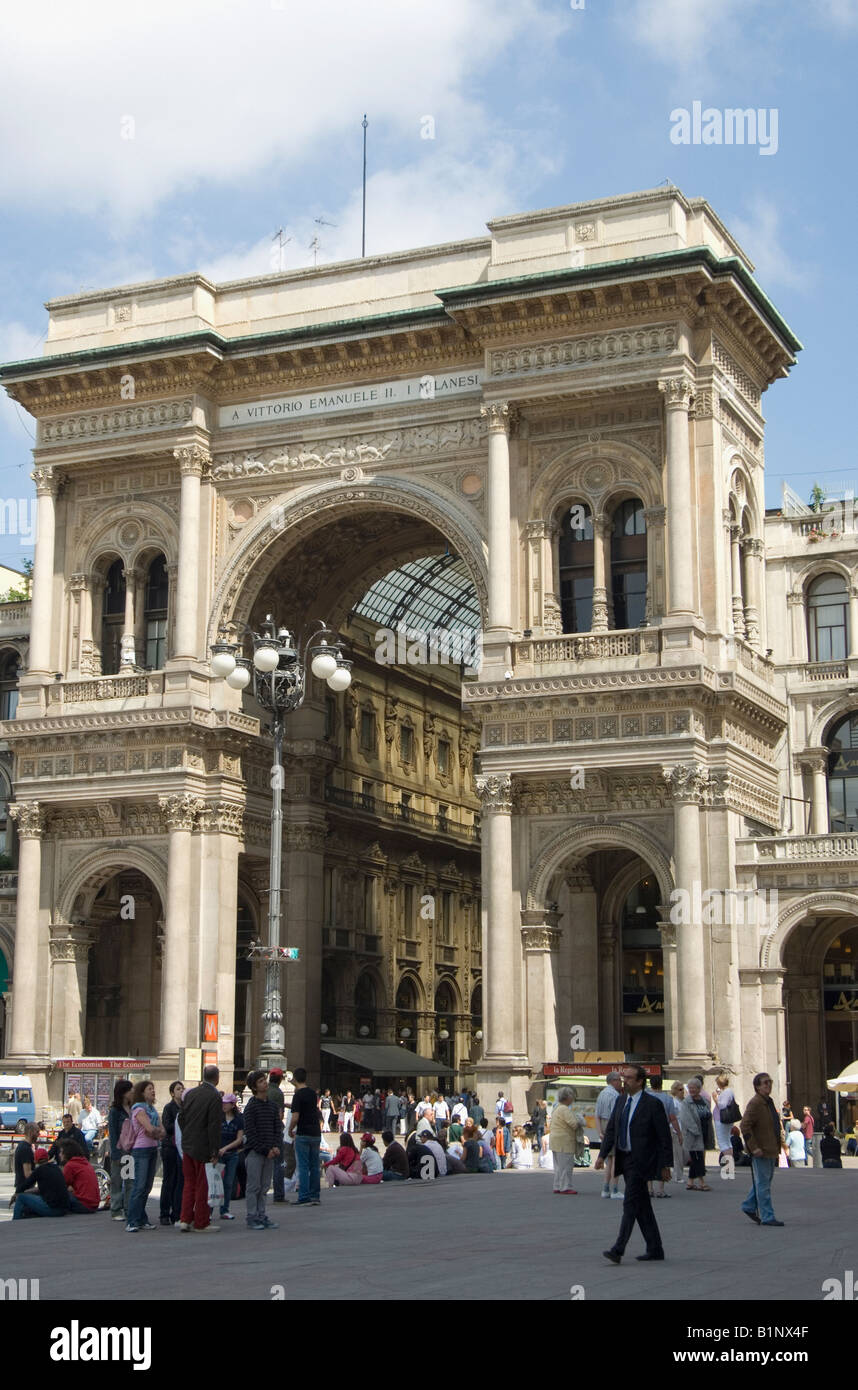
[303, 871]
[815, 760]
[27, 1007]
[542, 609]
[499, 417]
[193, 460]
[667, 931]
[78, 620]
[798, 625]
[42, 626]
[738, 602]
[774, 1026]
[128, 643]
[678, 395]
[172, 576]
[96, 583]
[500, 965]
[179, 811]
[654, 518]
[540, 939]
[70, 948]
[753, 566]
[601, 569]
[687, 782]
[852, 645]
[224, 825]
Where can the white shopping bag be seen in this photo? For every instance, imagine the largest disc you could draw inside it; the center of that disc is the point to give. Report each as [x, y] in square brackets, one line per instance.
[214, 1174]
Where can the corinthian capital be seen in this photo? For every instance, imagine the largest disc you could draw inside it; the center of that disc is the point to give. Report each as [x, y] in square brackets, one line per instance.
[29, 817]
[677, 391]
[48, 480]
[500, 416]
[180, 810]
[193, 460]
[495, 792]
[687, 781]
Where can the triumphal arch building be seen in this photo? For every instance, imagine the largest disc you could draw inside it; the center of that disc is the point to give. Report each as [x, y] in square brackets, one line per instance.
[551, 436]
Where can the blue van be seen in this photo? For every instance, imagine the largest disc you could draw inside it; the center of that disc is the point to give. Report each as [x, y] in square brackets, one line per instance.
[16, 1103]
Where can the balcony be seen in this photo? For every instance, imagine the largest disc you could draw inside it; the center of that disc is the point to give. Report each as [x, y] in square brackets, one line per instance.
[798, 849]
[563, 648]
[812, 672]
[395, 813]
[8, 883]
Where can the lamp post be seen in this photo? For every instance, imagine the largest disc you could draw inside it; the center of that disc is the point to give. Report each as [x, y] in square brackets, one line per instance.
[278, 671]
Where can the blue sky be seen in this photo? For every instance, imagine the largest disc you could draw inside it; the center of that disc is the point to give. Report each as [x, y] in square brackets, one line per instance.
[153, 140]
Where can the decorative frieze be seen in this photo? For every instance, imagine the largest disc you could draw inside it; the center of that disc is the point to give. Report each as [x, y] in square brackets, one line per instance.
[541, 938]
[734, 373]
[594, 349]
[93, 425]
[354, 450]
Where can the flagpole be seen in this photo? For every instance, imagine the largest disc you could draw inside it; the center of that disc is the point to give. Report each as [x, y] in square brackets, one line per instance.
[363, 223]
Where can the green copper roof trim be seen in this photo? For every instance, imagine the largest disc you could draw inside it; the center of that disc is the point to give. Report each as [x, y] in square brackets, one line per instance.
[693, 255]
[670, 260]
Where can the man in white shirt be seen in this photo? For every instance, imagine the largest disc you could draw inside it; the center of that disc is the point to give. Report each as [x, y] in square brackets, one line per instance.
[605, 1102]
[90, 1121]
[442, 1112]
[425, 1137]
[460, 1112]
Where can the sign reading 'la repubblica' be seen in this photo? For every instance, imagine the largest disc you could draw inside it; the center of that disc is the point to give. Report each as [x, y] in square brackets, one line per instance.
[416, 389]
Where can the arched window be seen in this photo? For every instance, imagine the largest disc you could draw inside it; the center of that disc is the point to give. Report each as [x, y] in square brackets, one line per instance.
[628, 564]
[828, 618]
[843, 775]
[576, 569]
[8, 684]
[366, 1007]
[113, 618]
[155, 614]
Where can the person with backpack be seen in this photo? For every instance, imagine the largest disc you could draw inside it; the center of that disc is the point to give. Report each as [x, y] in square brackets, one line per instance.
[120, 1187]
[505, 1110]
[139, 1137]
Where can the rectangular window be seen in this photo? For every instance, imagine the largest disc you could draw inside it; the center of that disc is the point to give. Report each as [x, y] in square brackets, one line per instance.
[330, 716]
[406, 744]
[330, 889]
[367, 795]
[409, 920]
[156, 643]
[368, 903]
[367, 731]
[8, 703]
[443, 757]
[405, 803]
[442, 815]
[444, 914]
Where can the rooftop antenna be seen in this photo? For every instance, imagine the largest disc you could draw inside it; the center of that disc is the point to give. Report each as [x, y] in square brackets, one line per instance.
[364, 123]
[315, 244]
[278, 237]
[322, 223]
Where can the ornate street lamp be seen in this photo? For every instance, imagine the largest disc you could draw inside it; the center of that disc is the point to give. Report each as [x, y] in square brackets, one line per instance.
[278, 671]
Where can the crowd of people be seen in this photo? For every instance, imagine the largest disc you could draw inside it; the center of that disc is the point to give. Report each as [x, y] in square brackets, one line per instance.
[214, 1146]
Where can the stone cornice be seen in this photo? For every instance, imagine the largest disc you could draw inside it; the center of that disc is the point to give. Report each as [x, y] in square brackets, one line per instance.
[50, 727]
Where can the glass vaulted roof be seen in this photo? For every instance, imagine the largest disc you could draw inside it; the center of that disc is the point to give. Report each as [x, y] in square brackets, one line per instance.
[433, 592]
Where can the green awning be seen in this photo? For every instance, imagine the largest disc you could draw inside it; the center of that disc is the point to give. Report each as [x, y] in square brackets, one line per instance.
[381, 1059]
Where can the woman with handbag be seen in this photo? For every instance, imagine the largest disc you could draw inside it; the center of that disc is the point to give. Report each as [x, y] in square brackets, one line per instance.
[727, 1113]
[694, 1121]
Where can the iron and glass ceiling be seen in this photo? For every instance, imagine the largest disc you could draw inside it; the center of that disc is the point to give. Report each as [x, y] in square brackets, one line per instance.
[435, 592]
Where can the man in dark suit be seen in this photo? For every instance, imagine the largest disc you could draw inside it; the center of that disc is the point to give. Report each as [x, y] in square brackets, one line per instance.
[639, 1135]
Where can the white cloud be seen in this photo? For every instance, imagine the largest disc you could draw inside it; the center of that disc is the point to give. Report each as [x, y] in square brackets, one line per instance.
[118, 107]
[436, 198]
[685, 34]
[759, 234]
[841, 14]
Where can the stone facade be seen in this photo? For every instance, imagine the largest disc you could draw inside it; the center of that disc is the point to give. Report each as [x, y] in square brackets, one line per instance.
[280, 444]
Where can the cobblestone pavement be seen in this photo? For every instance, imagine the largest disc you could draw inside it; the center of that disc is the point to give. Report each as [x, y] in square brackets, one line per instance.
[439, 1240]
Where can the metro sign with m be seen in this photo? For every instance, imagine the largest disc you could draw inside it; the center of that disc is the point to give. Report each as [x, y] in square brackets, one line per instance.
[208, 1027]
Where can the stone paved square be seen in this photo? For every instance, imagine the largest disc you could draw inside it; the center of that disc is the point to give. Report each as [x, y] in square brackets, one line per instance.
[438, 1241]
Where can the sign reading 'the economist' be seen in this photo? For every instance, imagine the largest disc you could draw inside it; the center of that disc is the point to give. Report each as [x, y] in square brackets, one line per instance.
[370, 396]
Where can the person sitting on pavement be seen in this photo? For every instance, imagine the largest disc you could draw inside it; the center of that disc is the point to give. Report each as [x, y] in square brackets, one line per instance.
[453, 1160]
[421, 1160]
[346, 1169]
[521, 1156]
[425, 1135]
[69, 1131]
[394, 1162]
[79, 1174]
[25, 1160]
[52, 1197]
[829, 1147]
[371, 1161]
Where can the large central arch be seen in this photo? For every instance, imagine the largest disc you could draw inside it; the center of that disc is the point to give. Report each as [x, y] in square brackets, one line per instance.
[576, 841]
[311, 508]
